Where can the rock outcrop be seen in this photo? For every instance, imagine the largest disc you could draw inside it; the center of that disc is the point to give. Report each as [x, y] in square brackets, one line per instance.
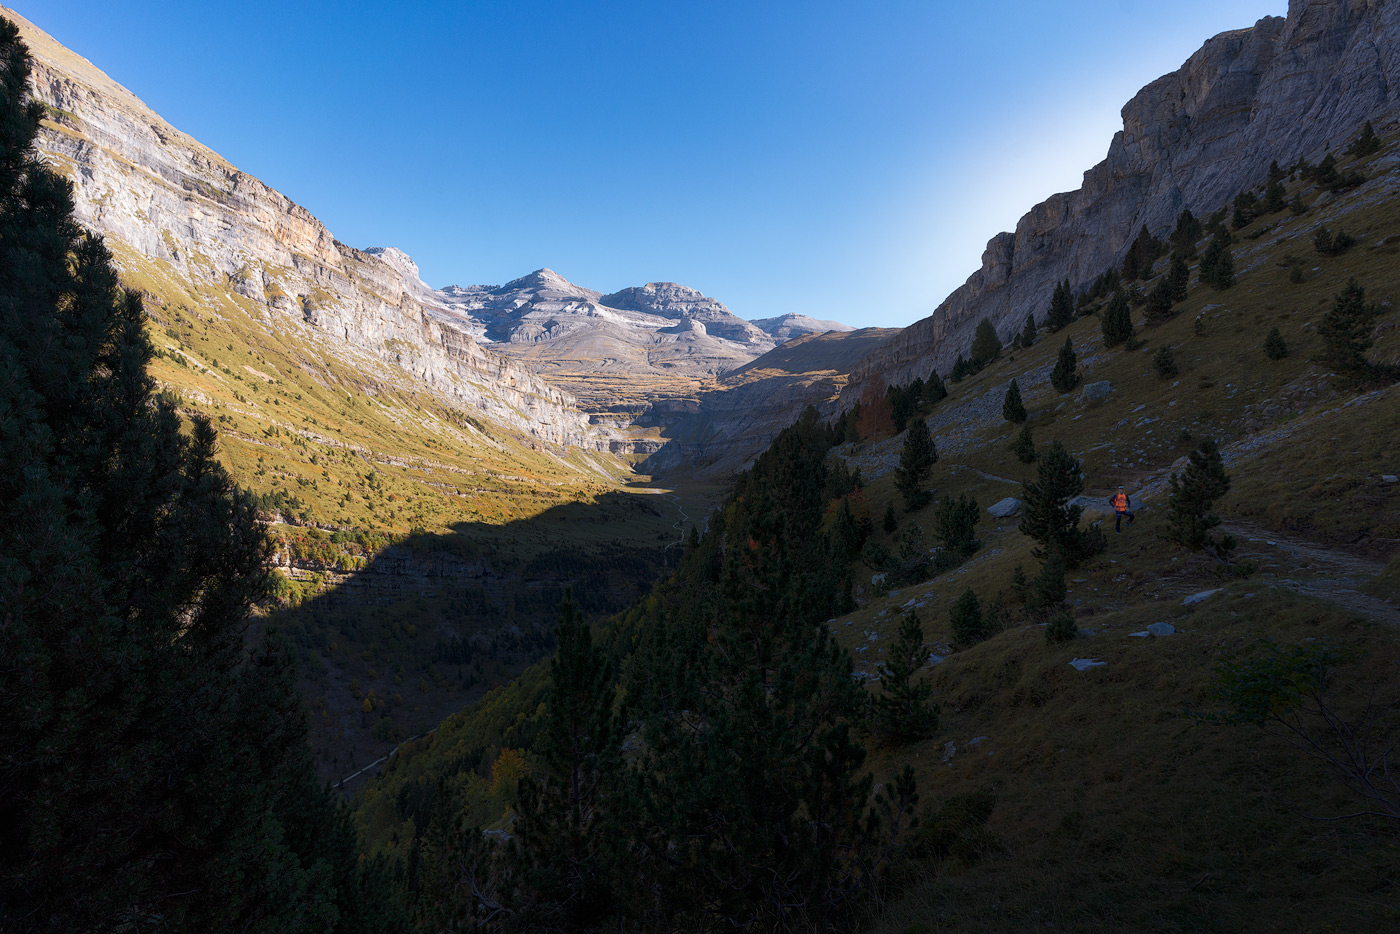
[179, 205]
[1280, 90]
[727, 427]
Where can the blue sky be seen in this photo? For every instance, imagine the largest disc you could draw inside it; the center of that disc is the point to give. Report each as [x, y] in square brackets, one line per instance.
[839, 159]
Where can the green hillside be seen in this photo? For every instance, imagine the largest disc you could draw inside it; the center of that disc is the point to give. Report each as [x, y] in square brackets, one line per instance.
[1101, 799]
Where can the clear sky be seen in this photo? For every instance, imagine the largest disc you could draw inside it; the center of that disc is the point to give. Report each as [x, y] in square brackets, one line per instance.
[846, 160]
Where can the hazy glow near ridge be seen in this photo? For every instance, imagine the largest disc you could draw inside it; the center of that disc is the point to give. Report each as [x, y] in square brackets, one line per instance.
[842, 161]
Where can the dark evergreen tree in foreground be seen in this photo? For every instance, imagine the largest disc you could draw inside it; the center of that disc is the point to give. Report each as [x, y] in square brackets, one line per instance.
[1012, 408]
[1117, 322]
[1050, 518]
[1179, 277]
[916, 459]
[1065, 376]
[1159, 303]
[1193, 494]
[956, 524]
[1274, 346]
[904, 710]
[1188, 230]
[564, 842]
[154, 772]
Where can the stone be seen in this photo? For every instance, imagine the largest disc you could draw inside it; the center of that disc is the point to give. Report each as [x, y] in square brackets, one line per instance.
[1198, 597]
[877, 579]
[1096, 391]
[1084, 664]
[1006, 508]
[1282, 89]
[1162, 629]
[1390, 478]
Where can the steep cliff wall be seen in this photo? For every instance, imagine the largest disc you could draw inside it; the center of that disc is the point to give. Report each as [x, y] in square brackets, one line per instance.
[1281, 89]
[139, 180]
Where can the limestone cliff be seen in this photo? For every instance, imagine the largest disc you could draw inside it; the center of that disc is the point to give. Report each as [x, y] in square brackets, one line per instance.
[1280, 90]
[142, 183]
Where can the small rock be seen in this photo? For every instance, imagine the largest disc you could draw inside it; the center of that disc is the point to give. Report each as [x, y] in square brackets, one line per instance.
[949, 750]
[1162, 629]
[1006, 508]
[1198, 597]
[934, 659]
[1084, 664]
[1390, 478]
[975, 740]
[876, 580]
[912, 601]
[1139, 635]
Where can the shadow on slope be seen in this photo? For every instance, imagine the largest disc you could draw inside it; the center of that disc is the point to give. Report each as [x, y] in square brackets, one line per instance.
[431, 622]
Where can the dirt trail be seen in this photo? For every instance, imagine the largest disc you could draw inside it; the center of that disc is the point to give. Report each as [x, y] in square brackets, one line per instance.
[1318, 571]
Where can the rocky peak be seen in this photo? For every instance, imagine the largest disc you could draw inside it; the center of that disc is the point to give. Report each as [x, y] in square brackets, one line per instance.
[1279, 90]
[789, 326]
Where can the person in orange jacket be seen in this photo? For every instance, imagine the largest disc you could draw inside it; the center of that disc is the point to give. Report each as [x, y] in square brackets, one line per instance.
[1122, 506]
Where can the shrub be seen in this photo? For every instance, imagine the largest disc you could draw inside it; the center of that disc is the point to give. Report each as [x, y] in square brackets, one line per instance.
[1274, 346]
[1065, 376]
[1025, 446]
[1061, 628]
[966, 619]
[1164, 362]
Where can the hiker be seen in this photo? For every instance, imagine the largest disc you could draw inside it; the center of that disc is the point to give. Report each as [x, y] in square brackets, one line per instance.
[1121, 504]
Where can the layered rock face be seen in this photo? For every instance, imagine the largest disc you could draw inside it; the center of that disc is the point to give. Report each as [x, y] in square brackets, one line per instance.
[140, 181]
[618, 353]
[787, 327]
[1280, 90]
[727, 427]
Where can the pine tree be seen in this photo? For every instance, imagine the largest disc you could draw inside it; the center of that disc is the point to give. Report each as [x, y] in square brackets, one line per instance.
[1246, 209]
[889, 523]
[934, 390]
[1065, 376]
[1189, 519]
[956, 524]
[961, 369]
[985, 344]
[904, 711]
[1367, 144]
[1061, 307]
[1179, 277]
[1025, 446]
[1164, 362]
[1188, 231]
[153, 761]
[1275, 197]
[916, 459]
[1159, 303]
[1218, 265]
[1050, 519]
[564, 829]
[1117, 322]
[1028, 332]
[968, 626]
[1274, 346]
[1046, 594]
[1346, 335]
[1012, 409]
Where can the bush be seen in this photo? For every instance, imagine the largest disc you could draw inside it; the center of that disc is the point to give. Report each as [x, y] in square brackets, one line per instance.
[1025, 446]
[1061, 628]
[1164, 362]
[1274, 346]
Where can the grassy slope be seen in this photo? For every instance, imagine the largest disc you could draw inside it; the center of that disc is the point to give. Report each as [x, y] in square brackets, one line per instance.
[332, 437]
[1114, 811]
